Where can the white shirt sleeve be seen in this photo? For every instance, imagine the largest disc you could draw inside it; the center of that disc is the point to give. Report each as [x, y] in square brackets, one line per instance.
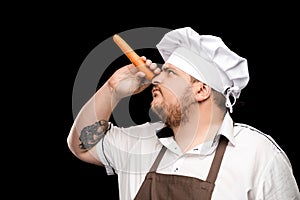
[121, 148]
[277, 181]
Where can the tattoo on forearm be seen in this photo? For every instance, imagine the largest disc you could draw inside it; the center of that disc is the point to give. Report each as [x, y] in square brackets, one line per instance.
[91, 135]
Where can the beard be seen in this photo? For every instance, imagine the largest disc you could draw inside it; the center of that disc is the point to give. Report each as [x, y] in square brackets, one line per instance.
[174, 115]
[170, 115]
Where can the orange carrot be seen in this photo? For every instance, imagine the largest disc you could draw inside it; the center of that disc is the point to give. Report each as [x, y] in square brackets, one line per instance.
[133, 57]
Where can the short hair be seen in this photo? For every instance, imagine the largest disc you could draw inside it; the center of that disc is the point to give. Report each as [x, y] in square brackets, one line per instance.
[218, 98]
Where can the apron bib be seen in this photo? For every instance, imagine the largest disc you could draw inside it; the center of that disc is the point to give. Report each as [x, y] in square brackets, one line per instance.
[157, 186]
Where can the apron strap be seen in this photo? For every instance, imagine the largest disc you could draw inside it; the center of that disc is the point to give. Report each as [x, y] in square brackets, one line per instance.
[214, 169]
[159, 157]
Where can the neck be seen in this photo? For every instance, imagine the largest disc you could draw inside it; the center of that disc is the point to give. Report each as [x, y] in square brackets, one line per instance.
[201, 127]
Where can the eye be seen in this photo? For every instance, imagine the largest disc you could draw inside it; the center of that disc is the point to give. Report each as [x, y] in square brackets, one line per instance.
[170, 72]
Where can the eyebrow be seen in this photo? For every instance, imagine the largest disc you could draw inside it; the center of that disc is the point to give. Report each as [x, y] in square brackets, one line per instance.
[167, 67]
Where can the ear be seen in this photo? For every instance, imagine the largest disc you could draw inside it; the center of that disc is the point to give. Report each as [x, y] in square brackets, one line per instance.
[202, 91]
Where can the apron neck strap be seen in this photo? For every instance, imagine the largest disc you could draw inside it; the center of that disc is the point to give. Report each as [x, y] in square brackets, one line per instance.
[215, 166]
[158, 159]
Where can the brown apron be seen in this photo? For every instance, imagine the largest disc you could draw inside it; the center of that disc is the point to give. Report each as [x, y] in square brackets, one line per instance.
[157, 186]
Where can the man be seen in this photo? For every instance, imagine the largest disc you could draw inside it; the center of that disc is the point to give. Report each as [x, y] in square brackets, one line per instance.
[196, 151]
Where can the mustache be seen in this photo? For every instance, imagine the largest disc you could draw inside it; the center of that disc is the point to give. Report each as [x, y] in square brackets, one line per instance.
[155, 88]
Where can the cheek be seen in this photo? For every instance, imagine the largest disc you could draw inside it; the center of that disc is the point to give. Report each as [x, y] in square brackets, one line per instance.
[170, 97]
[175, 89]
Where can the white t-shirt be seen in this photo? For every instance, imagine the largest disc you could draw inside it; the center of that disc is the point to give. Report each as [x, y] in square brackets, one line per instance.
[253, 166]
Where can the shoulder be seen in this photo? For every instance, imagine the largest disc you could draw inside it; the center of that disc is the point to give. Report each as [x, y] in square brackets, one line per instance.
[141, 130]
[260, 154]
[260, 149]
[147, 126]
[256, 140]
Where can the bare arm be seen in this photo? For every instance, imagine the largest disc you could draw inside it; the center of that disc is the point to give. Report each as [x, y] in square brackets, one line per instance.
[86, 127]
[95, 109]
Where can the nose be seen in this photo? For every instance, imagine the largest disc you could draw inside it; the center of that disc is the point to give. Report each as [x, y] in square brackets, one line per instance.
[157, 79]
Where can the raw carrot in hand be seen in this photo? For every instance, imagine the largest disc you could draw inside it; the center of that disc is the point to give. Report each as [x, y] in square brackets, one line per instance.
[133, 57]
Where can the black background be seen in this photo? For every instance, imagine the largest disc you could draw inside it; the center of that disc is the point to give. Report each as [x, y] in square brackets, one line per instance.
[53, 43]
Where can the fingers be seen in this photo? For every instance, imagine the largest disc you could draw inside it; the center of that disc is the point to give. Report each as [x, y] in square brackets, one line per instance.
[148, 62]
[154, 68]
[140, 74]
[132, 68]
[144, 58]
[151, 65]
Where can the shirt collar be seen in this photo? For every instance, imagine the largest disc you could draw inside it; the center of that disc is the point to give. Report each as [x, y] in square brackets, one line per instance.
[165, 136]
[226, 129]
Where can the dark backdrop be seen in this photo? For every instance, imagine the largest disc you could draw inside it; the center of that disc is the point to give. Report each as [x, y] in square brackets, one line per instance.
[267, 103]
[64, 39]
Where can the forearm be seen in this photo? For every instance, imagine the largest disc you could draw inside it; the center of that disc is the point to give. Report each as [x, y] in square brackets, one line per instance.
[86, 130]
[99, 107]
[86, 125]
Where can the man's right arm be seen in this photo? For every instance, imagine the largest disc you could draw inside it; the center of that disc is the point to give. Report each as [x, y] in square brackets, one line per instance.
[91, 122]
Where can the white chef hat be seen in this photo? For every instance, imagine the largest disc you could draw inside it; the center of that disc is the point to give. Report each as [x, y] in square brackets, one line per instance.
[206, 58]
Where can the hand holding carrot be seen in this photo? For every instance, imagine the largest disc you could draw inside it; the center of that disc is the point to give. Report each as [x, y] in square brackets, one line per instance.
[133, 57]
[128, 80]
